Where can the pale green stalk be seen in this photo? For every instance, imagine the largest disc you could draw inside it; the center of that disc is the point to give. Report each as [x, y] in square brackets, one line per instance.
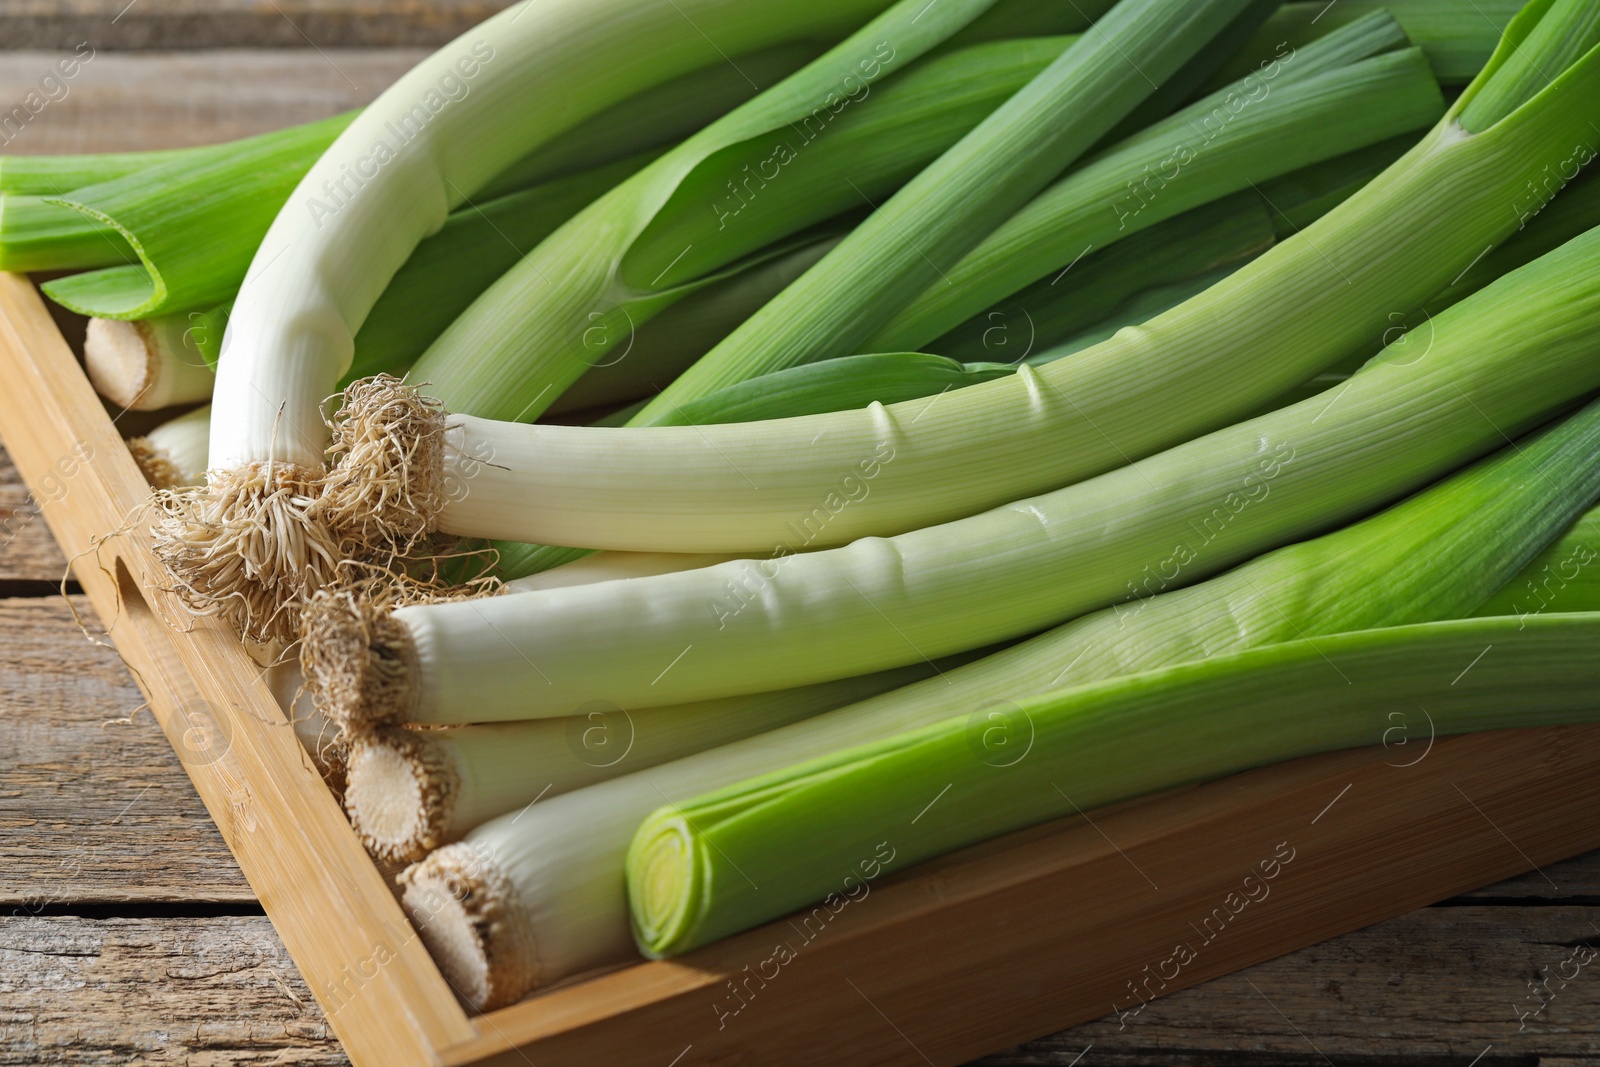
[411, 791]
[823, 829]
[913, 240]
[1459, 36]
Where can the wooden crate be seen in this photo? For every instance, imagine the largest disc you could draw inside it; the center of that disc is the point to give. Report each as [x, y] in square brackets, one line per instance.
[1059, 924]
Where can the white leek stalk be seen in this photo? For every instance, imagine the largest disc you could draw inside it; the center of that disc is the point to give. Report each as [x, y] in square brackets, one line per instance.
[411, 791]
[611, 566]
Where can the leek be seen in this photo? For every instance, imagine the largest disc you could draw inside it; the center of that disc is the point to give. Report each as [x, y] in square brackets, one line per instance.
[1213, 359]
[1563, 578]
[608, 566]
[1438, 554]
[836, 385]
[174, 454]
[411, 791]
[1228, 231]
[40, 232]
[36, 235]
[692, 866]
[1458, 36]
[1503, 360]
[448, 270]
[228, 197]
[147, 365]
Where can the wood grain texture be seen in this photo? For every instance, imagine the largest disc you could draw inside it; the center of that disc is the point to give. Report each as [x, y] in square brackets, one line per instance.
[28, 555]
[1440, 985]
[195, 24]
[113, 991]
[121, 102]
[94, 804]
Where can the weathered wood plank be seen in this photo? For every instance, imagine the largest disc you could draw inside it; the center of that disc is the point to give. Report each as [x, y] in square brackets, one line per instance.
[221, 989]
[1576, 880]
[1439, 985]
[121, 102]
[192, 24]
[27, 553]
[92, 808]
[190, 991]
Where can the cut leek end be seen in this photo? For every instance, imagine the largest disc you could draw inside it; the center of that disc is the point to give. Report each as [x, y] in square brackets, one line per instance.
[173, 455]
[247, 547]
[661, 875]
[358, 659]
[159, 467]
[136, 365]
[121, 362]
[470, 920]
[400, 793]
[386, 486]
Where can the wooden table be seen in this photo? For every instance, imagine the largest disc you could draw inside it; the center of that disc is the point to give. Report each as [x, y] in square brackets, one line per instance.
[127, 933]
